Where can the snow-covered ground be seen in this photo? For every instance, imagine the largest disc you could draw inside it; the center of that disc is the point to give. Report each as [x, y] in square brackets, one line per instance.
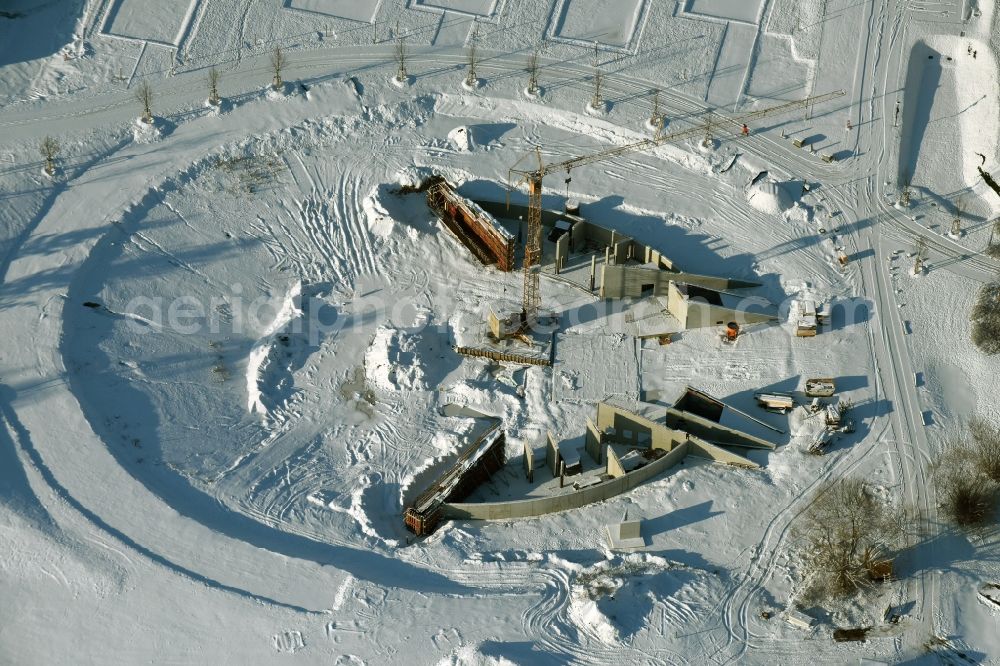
[229, 334]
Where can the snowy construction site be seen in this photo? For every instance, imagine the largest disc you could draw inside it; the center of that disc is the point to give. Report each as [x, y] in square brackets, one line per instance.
[499, 331]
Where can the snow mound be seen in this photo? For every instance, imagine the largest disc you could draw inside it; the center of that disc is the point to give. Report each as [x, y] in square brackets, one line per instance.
[473, 85]
[769, 197]
[290, 309]
[461, 139]
[413, 177]
[380, 222]
[143, 132]
[799, 212]
[469, 655]
[615, 599]
[278, 94]
[395, 361]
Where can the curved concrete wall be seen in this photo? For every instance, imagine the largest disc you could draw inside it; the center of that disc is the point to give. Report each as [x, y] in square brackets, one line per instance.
[574, 500]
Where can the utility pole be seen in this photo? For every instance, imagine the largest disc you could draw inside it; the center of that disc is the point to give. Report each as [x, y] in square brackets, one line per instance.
[956, 224]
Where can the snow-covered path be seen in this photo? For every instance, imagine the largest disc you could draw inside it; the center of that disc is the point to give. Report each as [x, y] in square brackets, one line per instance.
[214, 545]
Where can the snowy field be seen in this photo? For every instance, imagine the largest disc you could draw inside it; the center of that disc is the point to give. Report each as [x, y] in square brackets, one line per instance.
[229, 335]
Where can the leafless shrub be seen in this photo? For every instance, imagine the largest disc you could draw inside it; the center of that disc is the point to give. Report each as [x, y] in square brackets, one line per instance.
[400, 52]
[965, 494]
[533, 73]
[472, 78]
[277, 63]
[850, 538]
[993, 246]
[144, 95]
[985, 448]
[49, 149]
[213, 86]
[986, 319]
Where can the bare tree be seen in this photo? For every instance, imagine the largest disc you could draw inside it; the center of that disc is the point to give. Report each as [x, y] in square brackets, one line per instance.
[401, 74]
[966, 494]
[993, 244]
[986, 448]
[849, 537]
[49, 149]
[144, 95]
[919, 255]
[956, 223]
[904, 188]
[471, 79]
[985, 318]
[533, 73]
[213, 87]
[277, 63]
[656, 119]
[598, 101]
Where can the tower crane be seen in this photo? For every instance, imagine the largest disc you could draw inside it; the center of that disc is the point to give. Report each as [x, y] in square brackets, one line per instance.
[531, 298]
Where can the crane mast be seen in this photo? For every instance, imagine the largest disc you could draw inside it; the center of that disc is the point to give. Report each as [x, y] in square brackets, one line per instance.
[531, 298]
[532, 253]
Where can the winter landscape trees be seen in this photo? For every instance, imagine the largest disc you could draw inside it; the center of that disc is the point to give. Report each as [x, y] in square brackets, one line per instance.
[277, 64]
[993, 247]
[986, 318]
[144, 95]
[849, 538]
[213, 87]
[967, 473]
[49, 149]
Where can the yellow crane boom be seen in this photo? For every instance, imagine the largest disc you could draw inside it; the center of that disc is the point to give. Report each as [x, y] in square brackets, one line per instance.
[531, 298]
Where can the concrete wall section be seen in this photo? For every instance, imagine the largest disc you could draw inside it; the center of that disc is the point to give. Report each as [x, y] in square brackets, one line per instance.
[562, 251]
[629, 282]
[651, 256]
[701, 315]
[552, 457]
[677, 306]
[529, 462]
[633, 281]
[574, 500]
[712, 431]
[593, 441]
[621, 249]
[499, 209]
[634, 430]
[615, 468]
[702, 449]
